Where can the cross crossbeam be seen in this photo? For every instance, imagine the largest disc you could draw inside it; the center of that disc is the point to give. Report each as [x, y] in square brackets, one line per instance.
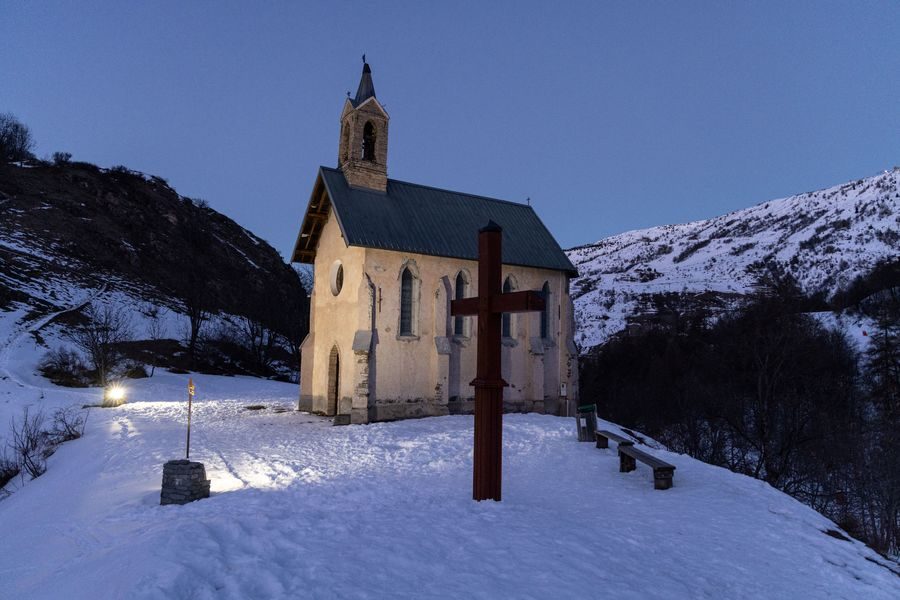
[510, 302]
[488, 307]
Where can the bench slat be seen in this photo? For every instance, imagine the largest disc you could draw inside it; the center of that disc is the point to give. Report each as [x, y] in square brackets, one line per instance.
[613, 436]
[645, 458]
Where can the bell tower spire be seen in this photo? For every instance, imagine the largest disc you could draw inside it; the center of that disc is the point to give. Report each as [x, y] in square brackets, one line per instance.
[362, 154]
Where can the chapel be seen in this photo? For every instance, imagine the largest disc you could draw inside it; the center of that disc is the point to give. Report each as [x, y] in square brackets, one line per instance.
[388, 257]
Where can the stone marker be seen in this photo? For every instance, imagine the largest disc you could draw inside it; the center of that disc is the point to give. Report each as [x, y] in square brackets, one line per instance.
[183, 481]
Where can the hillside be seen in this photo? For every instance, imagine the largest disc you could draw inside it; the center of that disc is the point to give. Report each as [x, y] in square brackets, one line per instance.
[70, 232]
[823, 239]
[113, 225]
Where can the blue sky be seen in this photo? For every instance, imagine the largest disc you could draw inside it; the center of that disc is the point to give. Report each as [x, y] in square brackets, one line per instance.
[610, 116]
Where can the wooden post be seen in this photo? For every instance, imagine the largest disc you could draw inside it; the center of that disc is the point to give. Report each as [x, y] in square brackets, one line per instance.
[489, 307]
[187, 453]
[487, 471]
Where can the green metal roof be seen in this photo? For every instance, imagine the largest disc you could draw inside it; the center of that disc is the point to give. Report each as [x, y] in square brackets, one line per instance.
[425, 220]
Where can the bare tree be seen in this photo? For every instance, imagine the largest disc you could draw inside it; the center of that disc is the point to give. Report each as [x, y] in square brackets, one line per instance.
[260, 339]
[104, 327]
[194, 282]
[15, 138]
[156, 327]
[198, 313]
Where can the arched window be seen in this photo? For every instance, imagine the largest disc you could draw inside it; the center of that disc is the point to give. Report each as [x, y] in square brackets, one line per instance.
[545, 314]
[368, 147]
[406, 302]
[506, 323]
[459, 322]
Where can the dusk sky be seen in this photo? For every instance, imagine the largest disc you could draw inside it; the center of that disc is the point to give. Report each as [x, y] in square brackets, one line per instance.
[610, 116]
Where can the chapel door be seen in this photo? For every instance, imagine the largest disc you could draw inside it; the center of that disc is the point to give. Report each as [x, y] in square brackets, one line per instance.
[334, 380]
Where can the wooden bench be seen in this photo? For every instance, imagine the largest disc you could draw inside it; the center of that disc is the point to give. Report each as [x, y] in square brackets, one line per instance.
[662, 471]
[603, 438]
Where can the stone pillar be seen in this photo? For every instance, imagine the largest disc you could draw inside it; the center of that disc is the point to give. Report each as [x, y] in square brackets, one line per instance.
[536, 355]
[183, 481]
[440, 361]
[362, 376]
[441, 374]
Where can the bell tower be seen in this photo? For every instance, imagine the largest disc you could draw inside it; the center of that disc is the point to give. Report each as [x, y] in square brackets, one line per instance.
[362, 154]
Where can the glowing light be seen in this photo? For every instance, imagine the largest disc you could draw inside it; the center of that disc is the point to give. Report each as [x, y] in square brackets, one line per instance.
[114, 395]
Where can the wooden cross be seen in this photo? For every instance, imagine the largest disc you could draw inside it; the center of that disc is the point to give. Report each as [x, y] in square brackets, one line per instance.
[489, 306]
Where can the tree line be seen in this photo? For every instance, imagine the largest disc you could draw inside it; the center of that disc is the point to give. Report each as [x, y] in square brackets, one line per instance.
[772, 392]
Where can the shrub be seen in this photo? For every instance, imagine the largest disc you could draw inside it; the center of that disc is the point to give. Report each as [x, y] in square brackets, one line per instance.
[64, 367]
[8, 470]
[62, 158]
[68, 424]
[687, 252]
[136, 371]
[30, 444]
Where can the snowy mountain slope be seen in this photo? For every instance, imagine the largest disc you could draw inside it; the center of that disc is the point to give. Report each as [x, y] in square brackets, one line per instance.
[824, 239]
[74, 231]
[303, 509]
[75, 225]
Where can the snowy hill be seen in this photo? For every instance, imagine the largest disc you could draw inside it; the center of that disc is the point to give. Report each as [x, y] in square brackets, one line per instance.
[303, 509]
[824, 239]
[91, 226]
[72, 232]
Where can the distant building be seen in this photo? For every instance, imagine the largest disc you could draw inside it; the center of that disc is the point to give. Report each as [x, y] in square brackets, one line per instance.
[388, 257]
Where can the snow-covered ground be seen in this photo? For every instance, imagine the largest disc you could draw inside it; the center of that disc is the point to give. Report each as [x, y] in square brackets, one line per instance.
[301, 509]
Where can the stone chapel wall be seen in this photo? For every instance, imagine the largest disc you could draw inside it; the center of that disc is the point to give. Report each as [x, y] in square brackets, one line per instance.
[429, 372]
[334, 321]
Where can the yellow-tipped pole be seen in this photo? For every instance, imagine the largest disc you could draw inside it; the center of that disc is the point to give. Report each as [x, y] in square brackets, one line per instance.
[187, 453]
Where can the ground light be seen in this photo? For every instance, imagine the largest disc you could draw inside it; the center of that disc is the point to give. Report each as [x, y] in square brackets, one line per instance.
[113, 395]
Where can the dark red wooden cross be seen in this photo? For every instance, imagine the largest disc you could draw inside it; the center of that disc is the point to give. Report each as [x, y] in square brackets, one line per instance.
[489, 306]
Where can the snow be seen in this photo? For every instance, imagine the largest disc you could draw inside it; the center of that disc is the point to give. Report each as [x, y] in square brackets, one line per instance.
[825, 239]
[303, 509]
[239, 251]
[17, 245]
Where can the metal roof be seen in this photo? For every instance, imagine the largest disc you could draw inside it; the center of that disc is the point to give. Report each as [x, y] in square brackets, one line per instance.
[366, 87]
[424, 220]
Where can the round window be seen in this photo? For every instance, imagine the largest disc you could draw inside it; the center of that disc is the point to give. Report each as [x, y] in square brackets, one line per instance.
[337, 277]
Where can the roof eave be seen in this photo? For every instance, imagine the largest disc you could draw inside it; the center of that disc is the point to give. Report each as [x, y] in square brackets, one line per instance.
[314, 219]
